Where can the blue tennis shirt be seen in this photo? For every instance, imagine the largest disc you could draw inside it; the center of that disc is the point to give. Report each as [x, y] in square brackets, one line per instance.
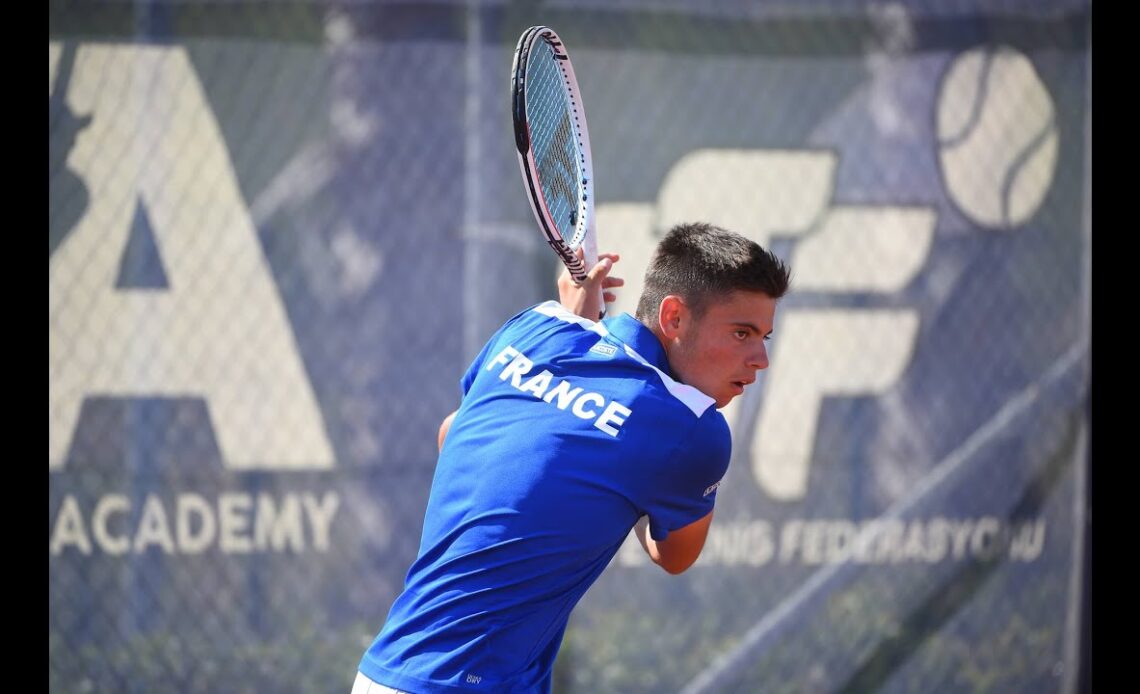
[568, 432]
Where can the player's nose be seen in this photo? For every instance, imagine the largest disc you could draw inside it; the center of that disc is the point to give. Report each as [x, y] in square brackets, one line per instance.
[758, 360]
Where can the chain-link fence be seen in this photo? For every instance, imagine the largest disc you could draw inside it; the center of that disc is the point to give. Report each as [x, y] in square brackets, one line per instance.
[278, 231]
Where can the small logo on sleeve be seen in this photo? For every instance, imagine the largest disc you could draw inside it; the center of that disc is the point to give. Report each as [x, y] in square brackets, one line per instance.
[603, 349]
[711, 488]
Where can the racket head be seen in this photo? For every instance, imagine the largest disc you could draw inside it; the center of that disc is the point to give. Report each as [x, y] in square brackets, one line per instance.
[553, 144]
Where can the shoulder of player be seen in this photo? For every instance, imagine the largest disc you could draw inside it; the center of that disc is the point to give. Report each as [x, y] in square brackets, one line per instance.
[709, 439]
[552, 311]
[550, 320]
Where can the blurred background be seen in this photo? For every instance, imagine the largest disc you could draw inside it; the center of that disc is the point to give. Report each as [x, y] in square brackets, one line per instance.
[279, 231]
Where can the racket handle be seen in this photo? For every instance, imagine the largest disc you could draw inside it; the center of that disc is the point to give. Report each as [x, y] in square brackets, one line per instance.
[590, 258]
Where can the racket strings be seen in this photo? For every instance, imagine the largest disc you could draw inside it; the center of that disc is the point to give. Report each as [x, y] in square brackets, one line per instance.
[553, 141]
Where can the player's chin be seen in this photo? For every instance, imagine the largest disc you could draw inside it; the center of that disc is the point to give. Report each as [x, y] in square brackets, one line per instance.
[729, 394]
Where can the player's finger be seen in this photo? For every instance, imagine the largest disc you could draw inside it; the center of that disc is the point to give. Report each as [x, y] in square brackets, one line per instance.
[600, 271]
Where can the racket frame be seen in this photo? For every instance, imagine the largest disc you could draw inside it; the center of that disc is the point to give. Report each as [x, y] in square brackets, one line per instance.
[585, 232]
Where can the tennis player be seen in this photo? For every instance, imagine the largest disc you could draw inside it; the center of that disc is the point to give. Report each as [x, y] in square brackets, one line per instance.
[570, 434]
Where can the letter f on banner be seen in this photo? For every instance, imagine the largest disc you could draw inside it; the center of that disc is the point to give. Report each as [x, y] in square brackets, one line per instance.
[219, 331]
[846, 352]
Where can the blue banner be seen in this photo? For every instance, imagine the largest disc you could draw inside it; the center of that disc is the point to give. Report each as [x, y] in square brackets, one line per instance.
[278, 232]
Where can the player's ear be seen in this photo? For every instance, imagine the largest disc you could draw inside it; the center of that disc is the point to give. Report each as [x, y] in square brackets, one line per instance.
[671, 315]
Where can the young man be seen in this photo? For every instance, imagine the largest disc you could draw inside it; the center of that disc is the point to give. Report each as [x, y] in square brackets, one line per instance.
[570, 434]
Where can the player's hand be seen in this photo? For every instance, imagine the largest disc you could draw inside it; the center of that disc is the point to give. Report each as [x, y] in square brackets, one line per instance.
[582, 299]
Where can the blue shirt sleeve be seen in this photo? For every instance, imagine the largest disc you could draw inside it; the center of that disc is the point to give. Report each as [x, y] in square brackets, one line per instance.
[686, 489]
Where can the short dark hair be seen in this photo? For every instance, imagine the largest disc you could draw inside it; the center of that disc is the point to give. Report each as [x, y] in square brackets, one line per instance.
[699, 262]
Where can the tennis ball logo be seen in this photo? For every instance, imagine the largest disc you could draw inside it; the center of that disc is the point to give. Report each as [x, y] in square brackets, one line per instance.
[997, 136]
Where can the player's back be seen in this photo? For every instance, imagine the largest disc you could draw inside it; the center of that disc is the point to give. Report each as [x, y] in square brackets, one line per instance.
[567, 434]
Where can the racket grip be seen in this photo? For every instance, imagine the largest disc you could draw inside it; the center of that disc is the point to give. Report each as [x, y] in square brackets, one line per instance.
[590, 258]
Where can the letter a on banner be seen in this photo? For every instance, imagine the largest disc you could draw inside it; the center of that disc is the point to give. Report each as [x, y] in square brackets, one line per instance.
[218, 329]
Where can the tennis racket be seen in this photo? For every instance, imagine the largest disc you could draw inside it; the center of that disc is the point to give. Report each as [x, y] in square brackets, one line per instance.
[554, 148]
